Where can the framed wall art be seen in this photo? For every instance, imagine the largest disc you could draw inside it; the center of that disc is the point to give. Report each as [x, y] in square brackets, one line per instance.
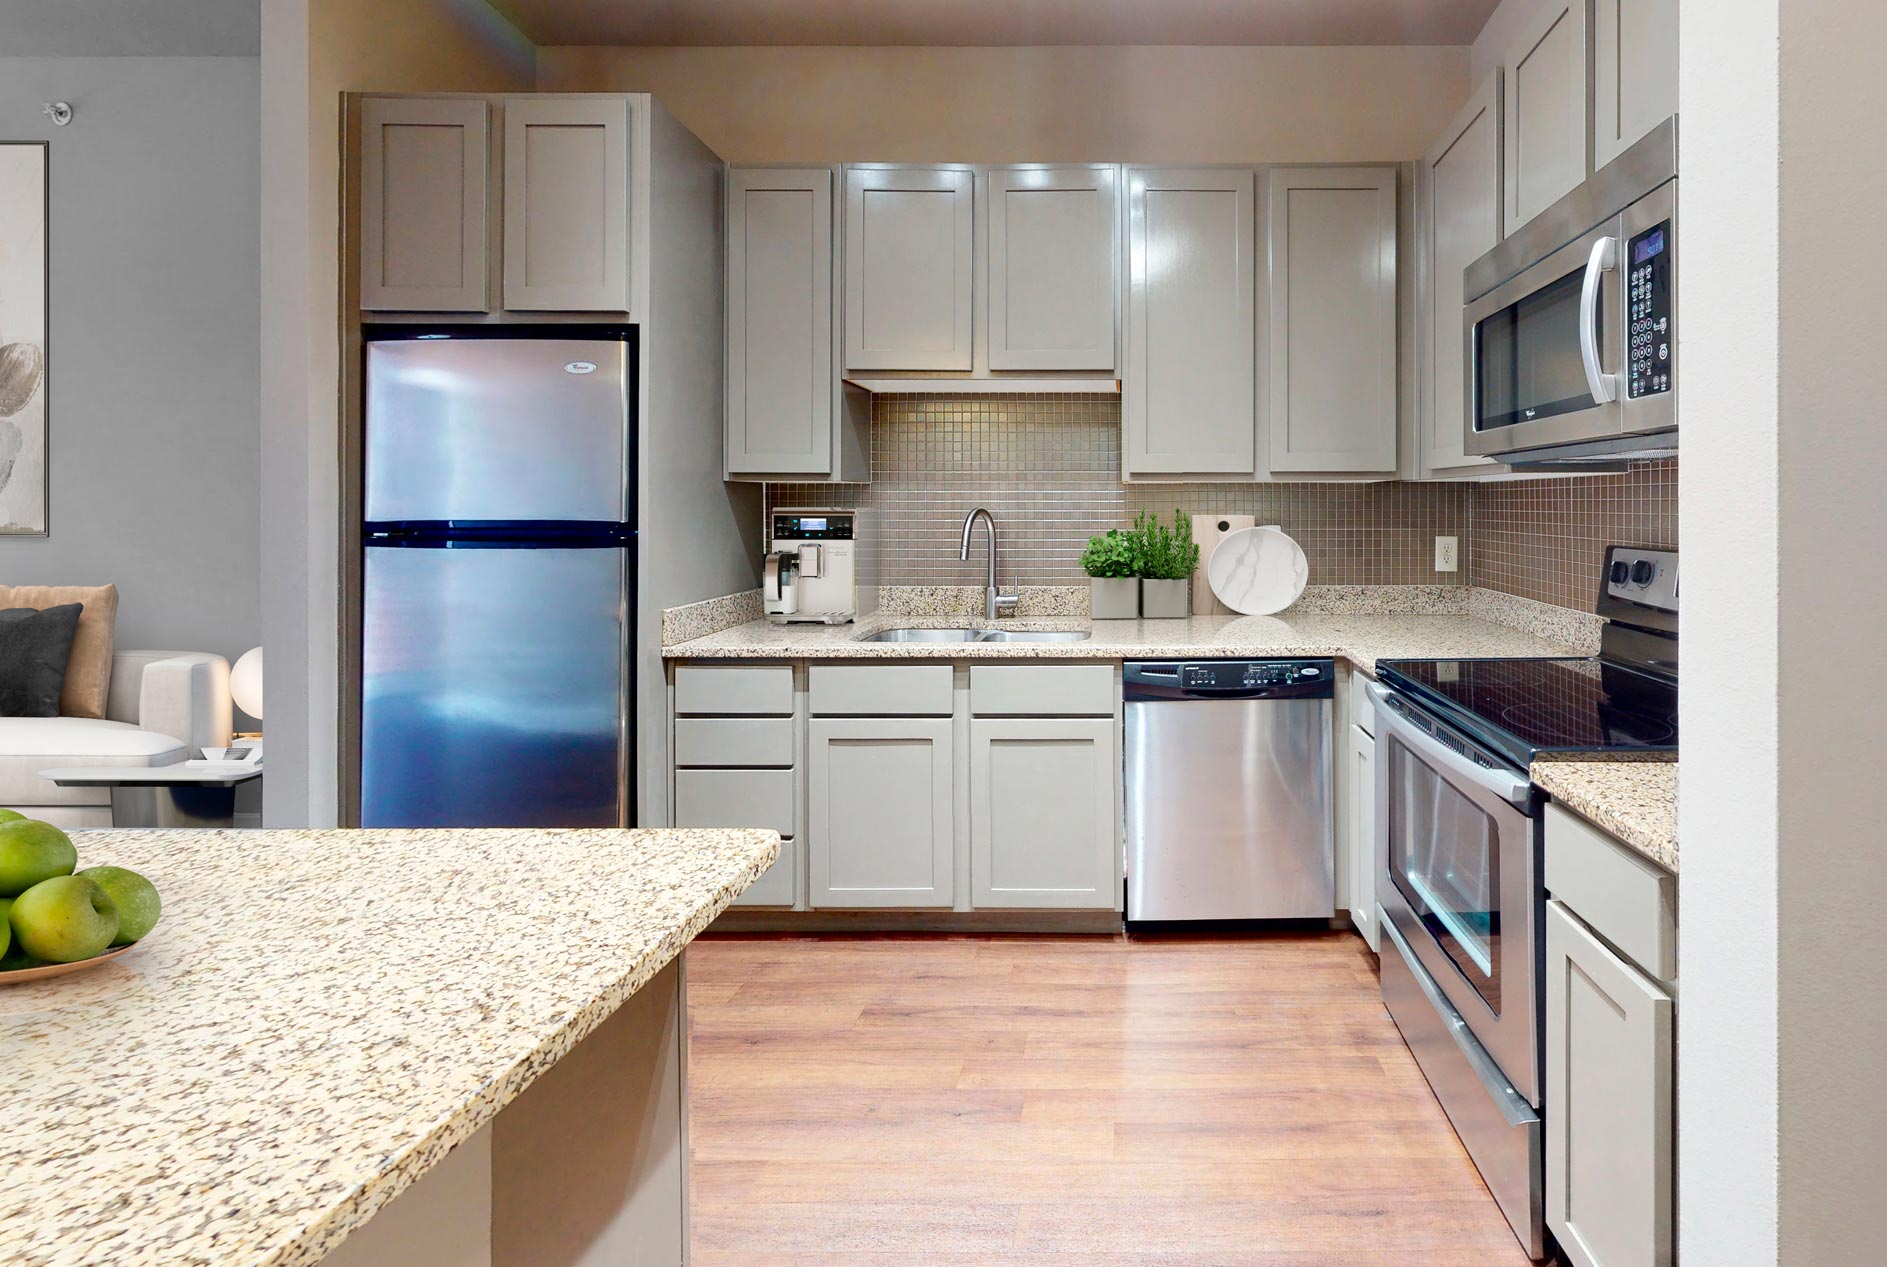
[23, 287]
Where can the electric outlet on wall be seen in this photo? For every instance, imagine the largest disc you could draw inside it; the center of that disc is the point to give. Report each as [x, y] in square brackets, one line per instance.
[1447, 554]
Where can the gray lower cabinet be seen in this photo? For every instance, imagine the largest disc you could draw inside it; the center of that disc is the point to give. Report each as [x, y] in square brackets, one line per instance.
[881, 825]
[1609, 1172]
[1042, 812]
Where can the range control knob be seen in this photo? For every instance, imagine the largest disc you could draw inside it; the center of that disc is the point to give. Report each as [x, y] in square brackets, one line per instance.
[1621, 572]
[1642, 571]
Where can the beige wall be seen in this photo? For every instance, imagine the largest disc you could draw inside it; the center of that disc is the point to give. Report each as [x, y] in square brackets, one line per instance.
[1127, 104]
[1503, 27]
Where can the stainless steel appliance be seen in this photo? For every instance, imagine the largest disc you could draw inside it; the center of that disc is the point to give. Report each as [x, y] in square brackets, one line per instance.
[1459, 886]
[1228, 769]
[821, 567]
[1572, 321]
[499, 577]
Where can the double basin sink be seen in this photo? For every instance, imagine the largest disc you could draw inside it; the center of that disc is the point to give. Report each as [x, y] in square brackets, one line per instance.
[977, 635]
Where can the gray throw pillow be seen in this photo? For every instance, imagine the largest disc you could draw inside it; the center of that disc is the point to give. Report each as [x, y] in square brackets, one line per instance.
[34, 647]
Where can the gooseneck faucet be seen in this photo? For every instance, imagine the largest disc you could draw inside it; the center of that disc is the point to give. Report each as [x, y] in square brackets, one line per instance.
[994, 604]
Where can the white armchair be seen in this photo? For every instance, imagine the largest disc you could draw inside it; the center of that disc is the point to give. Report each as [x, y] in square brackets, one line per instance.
[162, 708]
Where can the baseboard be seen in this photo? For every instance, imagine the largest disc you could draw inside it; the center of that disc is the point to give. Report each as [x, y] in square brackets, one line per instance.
[742, 920]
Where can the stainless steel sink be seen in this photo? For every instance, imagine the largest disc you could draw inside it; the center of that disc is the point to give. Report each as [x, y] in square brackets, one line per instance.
[977, 635]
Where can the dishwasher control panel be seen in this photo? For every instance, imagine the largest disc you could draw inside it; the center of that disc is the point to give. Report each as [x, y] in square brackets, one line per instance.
[1207, 677]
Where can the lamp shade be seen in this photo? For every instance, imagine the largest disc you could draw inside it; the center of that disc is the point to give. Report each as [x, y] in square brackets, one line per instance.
[245, 682]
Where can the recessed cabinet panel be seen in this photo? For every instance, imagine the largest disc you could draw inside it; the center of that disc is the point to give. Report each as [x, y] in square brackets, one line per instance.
[908, 268]
[424, 176]
[1043, 826]
[566, 226]
[1331, 374]
[781, 374]
[1545, 123]
[1187, 404]
[1362, 877]
[880, 812]
[1634, 73]
[1052, 265]
[1460, 191]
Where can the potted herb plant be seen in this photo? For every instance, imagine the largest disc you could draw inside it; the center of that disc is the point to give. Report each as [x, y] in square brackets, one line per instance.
[1167, 557]
[1113, 590]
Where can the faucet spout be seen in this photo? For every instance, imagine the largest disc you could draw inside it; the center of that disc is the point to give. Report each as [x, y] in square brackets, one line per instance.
[994, 603]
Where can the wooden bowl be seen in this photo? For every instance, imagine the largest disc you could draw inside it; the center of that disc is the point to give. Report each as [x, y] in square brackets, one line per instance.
[20, 976]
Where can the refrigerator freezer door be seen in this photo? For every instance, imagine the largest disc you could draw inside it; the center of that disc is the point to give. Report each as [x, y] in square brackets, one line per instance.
[497, 429]
[493, 691]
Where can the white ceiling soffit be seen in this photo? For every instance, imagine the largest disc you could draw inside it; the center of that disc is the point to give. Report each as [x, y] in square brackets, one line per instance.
[130, 28]
[997, 22]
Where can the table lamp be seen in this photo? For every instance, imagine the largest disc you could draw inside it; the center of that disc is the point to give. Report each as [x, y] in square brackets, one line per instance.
[245, 683]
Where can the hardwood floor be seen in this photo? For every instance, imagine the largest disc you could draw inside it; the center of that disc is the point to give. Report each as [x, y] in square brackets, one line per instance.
[993, 1101]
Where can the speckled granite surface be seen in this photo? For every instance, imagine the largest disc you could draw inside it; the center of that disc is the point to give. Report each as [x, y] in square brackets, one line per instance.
[1560, 624]
[710, 615]
[1636, 801]
[319, 1018]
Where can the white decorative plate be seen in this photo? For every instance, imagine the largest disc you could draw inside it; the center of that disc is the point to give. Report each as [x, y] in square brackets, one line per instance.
[1257, 571]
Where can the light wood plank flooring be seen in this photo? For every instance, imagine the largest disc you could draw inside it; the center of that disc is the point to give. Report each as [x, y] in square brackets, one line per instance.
[1003, 1101]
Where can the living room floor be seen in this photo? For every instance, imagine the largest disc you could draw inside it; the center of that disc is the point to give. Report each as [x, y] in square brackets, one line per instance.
[999, 1101]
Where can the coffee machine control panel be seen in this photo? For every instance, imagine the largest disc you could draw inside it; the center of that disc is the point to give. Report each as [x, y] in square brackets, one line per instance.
[829, 526]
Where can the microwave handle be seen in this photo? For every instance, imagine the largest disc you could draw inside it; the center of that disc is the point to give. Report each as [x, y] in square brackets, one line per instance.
[1604, 259]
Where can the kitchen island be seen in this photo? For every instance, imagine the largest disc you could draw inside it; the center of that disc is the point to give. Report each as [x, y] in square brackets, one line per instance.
[322, 1018]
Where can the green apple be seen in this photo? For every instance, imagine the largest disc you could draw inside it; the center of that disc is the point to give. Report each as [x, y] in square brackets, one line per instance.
[30, 852]
[6, 931]
[11, 816]
[64, 919]
[134, 896]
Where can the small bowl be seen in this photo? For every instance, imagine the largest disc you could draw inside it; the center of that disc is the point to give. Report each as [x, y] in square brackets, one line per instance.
[20, 976]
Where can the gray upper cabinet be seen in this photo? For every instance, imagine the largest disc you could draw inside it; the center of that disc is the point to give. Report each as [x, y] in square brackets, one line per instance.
[787, 413]
[1053, 259]
[1458, 220]
[1043, 822]
[881, 828]
[1187, 384]
[566, 204]
[909, 267]
[1546, 115]
[425, 175]
[1634, 72]
[1331, 386]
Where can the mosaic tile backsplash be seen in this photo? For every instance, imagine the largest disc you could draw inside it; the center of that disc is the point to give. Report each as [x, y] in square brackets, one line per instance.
[1546, 539]
[1048, 467]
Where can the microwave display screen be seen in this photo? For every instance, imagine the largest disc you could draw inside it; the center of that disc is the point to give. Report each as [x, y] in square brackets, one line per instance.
[1646, 245]
[1526, 358]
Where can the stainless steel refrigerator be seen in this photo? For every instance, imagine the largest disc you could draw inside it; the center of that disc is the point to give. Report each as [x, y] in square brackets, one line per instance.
[498, 593]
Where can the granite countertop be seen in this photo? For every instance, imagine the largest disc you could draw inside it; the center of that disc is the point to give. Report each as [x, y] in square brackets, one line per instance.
[1361, 639]
[1634, 801]
[320, 1017]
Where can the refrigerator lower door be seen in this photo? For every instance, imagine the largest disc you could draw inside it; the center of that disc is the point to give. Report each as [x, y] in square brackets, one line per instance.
[493, 690]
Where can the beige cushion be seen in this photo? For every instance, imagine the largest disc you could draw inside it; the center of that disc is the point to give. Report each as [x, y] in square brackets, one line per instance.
[88, 671]
[31, 744]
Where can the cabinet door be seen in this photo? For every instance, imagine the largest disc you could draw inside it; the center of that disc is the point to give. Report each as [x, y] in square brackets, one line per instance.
[908, 268]
[1363, 834]
[1043, 827]
[566, 226]
[880, 823]
[1545, 74]
[1460, 196]
[1608, 1088]
[424, 172]
[1331, 308]
[1187, 405]
[1053, 259]
[1634, 73]
[780, 370]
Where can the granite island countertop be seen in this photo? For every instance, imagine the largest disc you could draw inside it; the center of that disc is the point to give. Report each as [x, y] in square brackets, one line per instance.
[1633, 801]
[319, 1018]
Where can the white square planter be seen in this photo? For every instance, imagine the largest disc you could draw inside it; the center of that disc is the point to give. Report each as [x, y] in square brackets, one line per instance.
[1163, 599]
[1113, 597]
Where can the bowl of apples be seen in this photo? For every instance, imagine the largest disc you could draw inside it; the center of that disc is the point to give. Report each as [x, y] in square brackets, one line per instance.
[55, 918]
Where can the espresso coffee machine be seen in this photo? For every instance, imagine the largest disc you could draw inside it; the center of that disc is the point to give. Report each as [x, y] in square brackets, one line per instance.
[821, 567]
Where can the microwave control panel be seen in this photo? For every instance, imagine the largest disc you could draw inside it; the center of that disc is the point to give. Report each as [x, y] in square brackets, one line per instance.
[1653, 340]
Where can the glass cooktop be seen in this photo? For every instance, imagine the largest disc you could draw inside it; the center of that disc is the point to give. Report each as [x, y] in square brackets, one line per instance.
[1524, 708]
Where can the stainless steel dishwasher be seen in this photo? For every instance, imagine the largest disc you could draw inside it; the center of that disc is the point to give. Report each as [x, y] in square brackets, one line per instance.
[1228, 789]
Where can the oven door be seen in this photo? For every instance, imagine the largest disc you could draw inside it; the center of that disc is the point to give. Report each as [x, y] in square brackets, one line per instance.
[1459, 843]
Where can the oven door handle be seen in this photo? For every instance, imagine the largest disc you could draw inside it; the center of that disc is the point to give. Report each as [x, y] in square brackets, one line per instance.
[1604, 259]
[1510, 787]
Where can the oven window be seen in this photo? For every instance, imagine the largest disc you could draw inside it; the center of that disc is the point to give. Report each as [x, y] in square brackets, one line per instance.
[1444, 856]
[1526, 358]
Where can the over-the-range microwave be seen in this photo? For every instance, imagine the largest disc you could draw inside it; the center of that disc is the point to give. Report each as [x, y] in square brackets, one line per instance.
[1571, 322]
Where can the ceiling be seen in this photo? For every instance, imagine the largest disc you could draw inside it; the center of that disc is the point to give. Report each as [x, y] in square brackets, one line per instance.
[997, 22]
[130, 28]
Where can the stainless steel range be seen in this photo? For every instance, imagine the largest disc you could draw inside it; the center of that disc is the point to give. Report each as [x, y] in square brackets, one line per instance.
[1459, 885]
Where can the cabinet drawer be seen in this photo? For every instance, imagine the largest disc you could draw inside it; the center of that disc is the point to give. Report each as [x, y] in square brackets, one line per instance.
[775, 885]
[1628, 900]
[1042, 690]
[1362, 706]
[879, 690]
[746, 690]
[734, 798]
[734, 741]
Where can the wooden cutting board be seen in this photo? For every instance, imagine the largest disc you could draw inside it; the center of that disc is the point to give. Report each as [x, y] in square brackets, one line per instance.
[1208, 531]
